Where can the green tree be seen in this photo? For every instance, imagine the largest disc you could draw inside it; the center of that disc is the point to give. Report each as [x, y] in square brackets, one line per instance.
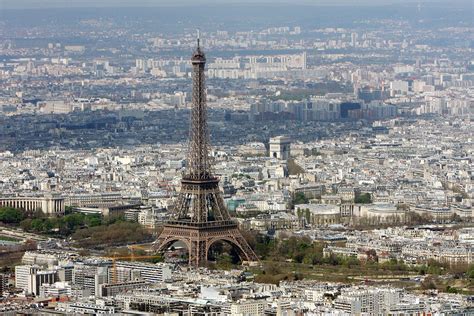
[93, 221]
[68, 210]
[470, 272]
[364, 198]
[64, 226]
[224, 261]
[435, 267]
[450, 289]
[300, 198]
[350, 262]
[315, 256]
[37, 225]
[10, 215]
[118, 233]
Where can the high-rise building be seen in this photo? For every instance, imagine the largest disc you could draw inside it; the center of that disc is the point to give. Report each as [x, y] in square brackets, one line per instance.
[3, 283]
[30, 278]
[354, 39]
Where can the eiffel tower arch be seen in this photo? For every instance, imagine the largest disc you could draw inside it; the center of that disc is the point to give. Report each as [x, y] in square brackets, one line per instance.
[200, 217]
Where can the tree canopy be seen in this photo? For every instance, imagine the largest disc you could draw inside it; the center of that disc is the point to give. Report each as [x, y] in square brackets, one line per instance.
[364, 198]
[10, 215]
[300, 198]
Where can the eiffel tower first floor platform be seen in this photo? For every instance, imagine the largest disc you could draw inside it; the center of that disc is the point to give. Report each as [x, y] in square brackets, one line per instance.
[199, 237]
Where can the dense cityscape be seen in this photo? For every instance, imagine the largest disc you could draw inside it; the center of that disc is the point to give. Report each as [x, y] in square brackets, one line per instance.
[237, 159]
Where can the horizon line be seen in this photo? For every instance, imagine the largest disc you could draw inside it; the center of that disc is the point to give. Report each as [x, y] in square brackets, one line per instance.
[85, 4]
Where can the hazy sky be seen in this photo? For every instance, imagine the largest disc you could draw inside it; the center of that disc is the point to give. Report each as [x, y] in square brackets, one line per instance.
[7, 4]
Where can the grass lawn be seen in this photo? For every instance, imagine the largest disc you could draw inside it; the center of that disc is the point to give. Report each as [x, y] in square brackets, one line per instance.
[8, 238]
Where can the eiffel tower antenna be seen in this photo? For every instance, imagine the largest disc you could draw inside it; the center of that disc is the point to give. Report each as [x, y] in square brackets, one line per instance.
[198, 38]
[200, 218]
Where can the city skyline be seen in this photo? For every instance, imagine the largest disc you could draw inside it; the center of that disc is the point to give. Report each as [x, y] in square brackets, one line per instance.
[34, 4]
[297, 158]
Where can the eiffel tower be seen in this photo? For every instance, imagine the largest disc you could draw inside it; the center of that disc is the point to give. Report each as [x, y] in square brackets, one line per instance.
[200, 218]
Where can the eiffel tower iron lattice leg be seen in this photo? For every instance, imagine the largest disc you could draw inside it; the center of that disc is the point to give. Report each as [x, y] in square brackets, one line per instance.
[199, 239]
[200, 218]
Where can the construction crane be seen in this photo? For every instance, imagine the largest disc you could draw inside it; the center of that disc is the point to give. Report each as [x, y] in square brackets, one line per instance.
[131, 257]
